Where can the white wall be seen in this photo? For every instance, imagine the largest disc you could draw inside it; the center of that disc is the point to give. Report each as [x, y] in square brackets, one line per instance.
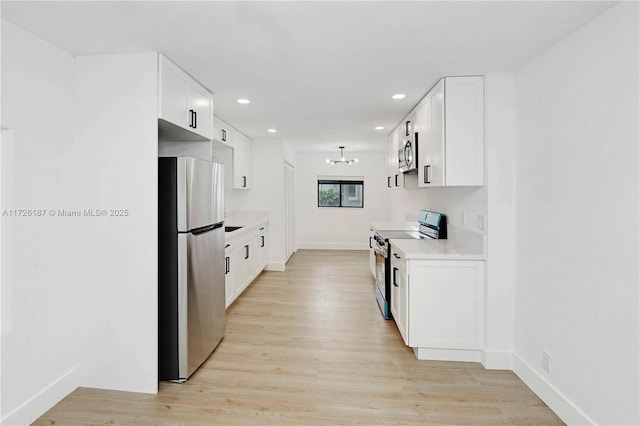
[79, 303]
[116, 167]
[265, 194]
[577, 165]
[500, 156]
[40, 315]
[339, 228]
[195, 149]
[453, 201]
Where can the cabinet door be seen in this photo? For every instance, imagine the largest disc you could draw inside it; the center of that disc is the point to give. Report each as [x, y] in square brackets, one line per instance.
[446, 304]
[228, 281]
[241, 162]
[435, 135]
[395, 179]
[399, 293]
[464, 111]
[222, 132]
[390, 170]
[173, 94]
[422, 128]
[263, 250]
[372, 253]
[395, 296]
[201, 105]
[236, 275]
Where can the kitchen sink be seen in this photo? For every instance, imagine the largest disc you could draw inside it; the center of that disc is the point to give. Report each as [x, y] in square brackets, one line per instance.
[231, 228]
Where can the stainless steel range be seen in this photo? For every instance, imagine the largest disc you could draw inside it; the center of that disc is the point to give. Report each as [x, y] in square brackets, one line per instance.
[432, 225]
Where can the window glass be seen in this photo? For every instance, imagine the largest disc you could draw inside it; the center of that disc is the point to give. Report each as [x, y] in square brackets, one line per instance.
[352, 195]
[340, 193]
[328, 195]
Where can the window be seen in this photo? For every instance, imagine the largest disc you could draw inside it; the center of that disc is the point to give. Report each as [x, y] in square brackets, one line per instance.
[341, 193]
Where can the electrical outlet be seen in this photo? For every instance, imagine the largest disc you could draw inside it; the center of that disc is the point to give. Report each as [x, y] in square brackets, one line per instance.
[481, 222]
[546, 360]
[461, 218]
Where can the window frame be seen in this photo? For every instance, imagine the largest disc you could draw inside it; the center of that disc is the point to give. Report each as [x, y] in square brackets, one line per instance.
[340, 182]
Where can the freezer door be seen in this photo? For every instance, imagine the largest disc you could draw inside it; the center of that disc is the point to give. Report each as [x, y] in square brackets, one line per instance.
[200, 193]
[202, 311]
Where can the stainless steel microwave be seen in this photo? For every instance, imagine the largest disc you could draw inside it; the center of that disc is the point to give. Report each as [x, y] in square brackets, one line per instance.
[408, 149]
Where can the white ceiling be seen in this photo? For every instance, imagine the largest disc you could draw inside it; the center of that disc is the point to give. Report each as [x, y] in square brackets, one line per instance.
[322, 73]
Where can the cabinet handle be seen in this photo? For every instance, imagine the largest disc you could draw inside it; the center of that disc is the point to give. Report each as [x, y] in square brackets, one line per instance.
[396, 256]
[195, 119]
[226, 265]
[388, 181]
[426, 174]
[261, 229]
[224, 135]
[244, 181]
[246, 255]
[227, 246]
[190, 118]
[406, 128]
[395, 270]
[370, 243]
[262, 236]
[397, 181]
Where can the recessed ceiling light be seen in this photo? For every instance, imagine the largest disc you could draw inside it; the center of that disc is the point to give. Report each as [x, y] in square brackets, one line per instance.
[398, 96]
[271, 130]
[379, 127]
[243, 101]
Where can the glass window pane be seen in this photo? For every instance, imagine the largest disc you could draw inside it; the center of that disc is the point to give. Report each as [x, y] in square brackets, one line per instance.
[352, 195]
[328, 195]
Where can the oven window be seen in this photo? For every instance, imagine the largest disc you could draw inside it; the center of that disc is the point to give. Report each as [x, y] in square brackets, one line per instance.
[340, 193]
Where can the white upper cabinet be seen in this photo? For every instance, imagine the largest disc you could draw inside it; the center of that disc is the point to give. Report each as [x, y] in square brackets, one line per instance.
[235, 152]
[395, 179]
[241, 161]
[185, 107]
[223, 132]
[451, 133]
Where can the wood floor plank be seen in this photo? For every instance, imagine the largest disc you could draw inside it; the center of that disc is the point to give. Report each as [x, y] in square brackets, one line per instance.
[309, 346]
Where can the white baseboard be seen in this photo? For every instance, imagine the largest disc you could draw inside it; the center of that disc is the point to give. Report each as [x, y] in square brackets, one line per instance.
[333, 246]
[497, 360]
[565, 409]
[447, 354]
[37, 405]
[275, 266]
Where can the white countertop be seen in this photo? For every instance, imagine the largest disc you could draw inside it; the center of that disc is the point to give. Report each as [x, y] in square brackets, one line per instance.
[248, 220]
[466, 246]
[382, 225]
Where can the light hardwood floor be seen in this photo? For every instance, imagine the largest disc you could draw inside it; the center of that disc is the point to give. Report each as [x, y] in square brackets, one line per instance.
[309, 347]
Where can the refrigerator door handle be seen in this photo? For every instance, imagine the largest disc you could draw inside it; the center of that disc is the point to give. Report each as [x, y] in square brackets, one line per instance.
[208, 228]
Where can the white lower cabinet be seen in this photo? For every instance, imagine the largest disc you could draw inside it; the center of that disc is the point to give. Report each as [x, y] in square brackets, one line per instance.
[399, 293]
[372, 253]
[438, 306]
[246, 258]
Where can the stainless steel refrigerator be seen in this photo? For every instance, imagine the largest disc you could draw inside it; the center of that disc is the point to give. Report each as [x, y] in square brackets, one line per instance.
[191, 291]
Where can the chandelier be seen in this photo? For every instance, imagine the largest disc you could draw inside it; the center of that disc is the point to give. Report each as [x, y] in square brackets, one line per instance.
[342, 160]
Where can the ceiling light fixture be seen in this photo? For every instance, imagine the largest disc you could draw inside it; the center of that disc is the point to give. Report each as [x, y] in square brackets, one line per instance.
[342, 160]
[398, 96]
[271, 130]
[243, 101]
[379, 127]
